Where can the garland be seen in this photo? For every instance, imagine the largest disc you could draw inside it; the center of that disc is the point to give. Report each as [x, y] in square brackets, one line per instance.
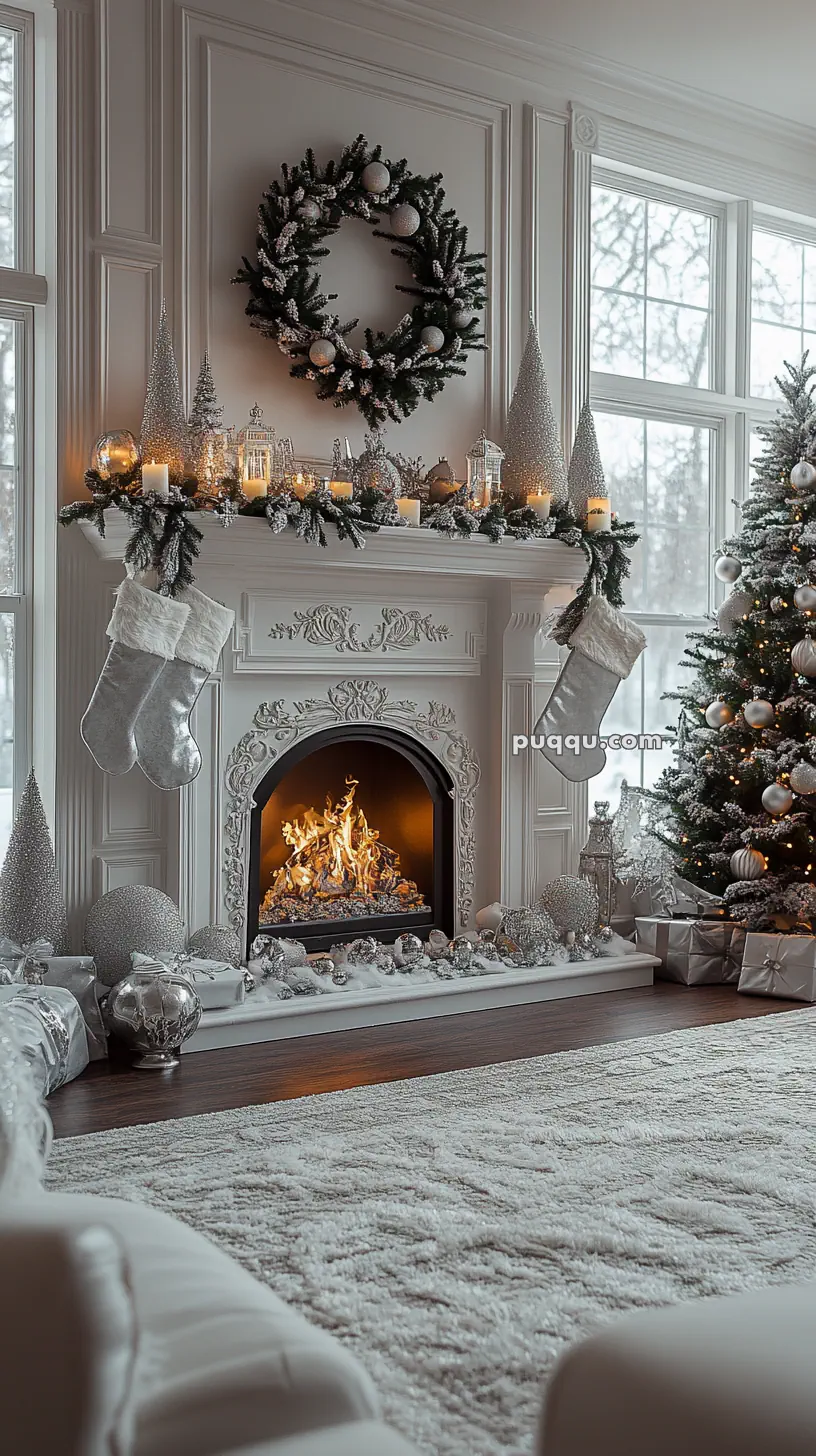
[165, 539]
[389, 376]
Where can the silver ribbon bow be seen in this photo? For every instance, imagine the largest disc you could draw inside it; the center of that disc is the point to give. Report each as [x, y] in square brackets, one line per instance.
[769, 964]
[23, 963]
[183, 964]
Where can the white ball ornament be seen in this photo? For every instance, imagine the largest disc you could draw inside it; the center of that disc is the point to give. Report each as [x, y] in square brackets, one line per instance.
[759, 713]
[376, 178]
[803, 657]
[777, 799]
[803, 779]
[733, 610]
[461, 317]
[322, 353]
[747, 864]
[803, 475]
[728, 569]
[309, 210]
[404, 221]
[718, 713]
[805, 597]
[433, 338]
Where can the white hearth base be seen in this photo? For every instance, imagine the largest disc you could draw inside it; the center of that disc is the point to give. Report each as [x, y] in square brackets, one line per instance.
[273, 1020]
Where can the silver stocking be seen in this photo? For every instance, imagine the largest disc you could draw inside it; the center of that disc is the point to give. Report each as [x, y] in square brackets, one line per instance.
[168, 753]
[577, 706]
[124, 685]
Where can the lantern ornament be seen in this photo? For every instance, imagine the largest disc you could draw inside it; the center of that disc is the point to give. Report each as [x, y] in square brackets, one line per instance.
[484, 463]
[595, 860]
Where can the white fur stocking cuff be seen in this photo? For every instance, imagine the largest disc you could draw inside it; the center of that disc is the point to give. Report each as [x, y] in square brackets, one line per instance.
[607, 637]
[143, 620]
[207, 629]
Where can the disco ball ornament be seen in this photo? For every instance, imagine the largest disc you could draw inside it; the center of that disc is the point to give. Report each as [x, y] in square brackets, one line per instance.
[376, 178]
[526, 928]
[734, 609]
[747, 864]
[309, 210]
[432, 338]
[131, 917]
[322, 353]
[777, 799]
[572, 903]
[805, 598]
[115, 453]
[803, 475]
[408, 949]
[803, 779]
[363, 952]
[216, 943]
[461, 952]
[323, 965]
[153, 1012]
[718, 714]
[758, 714]
[404, 221]
[727, 569]
[803, 657]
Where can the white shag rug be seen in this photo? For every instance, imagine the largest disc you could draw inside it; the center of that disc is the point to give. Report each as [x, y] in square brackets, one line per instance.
[457, 1232]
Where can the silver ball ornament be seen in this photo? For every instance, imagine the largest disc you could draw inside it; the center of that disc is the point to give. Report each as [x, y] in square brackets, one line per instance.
[728, 569]
[385, 961]
[759, 713]
[572, 903]
[309, 210]
[733, 610]
[747, 864]
[803, 779]
[432, 338]
[803, 657]
[322, 353]
[777, 799]
[363, 951]
[216, 943]
[461, 952]
[131, 917]
[404, 220]
[376, 178]
[408, 949]
[340, 978]
[805, 597]
[803, 475]
[323, 965]
[461, 317]
[718, 714]
[777, 605]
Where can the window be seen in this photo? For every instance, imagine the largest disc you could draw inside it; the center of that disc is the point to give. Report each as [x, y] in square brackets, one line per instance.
[783, 305]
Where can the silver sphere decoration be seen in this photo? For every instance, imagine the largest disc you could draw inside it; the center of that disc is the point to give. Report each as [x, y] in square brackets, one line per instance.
[323, 965]
[322, 353]
[385, 961]
[131, 917]
[404, 221]
[437, 944]
[803, 779]
[116, 453]
[759, 713]
[777, 605]
[803, 475]
[461, 952]
[733, 610]
[216, 943]
[805, 597]
[271, 953]
[747, 864]
[153, 1012]
[433, 338]
[572, 903]
[309, 210]
[528, 927]
[408, 949]
[340, 977]
[718, 713]
[777, 799]
[363, 951]
[461, 317]
[376, 178]
[728, 569]
[803, 657]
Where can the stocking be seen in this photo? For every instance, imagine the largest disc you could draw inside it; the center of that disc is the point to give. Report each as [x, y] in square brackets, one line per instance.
[168, 753]
[605, 647]
[144, 629]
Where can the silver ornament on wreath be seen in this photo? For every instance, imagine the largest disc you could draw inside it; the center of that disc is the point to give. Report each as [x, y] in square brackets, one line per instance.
[131, 918]
[803, 475]
[309, 210]
[805, 597]
[747, 864]
[376, 178]
[432, 338]
[153, 1012]
[777, 605]
[718, 714]
[727, 569]
[322, 353]
[404, 220]
[777, 799]
[803, 657]
[803, 778]
[572, 903]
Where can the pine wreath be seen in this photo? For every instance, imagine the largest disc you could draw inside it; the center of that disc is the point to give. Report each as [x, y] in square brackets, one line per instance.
[392, 372]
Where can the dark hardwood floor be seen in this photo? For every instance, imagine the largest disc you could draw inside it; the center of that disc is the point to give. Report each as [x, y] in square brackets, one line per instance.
[112, 1094]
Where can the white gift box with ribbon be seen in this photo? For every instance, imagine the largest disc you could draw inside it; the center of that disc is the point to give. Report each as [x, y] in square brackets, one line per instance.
[217, 984]
[779, 965]
[693, 952]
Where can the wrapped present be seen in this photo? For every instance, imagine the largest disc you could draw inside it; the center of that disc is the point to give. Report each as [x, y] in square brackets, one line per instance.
[779, 965]
[49, 1028]
[23, 963]
[693, 952]
[218, 985]
[77, 974]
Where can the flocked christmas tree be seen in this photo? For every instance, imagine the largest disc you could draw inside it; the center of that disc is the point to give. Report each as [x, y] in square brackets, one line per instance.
[165, 437]
[533, 458]
[32, 906]
[742, 794]
[207, 456]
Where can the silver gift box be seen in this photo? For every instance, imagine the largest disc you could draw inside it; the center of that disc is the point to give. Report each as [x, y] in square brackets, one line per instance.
[693, 952]
[779, 965]
[49, 1029]
[78, 975]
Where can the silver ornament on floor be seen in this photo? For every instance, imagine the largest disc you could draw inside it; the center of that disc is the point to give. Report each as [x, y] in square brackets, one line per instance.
[153, 1012]
[216, 943]
[759, 713]
[803, 657]
[747, 864]
[734, 609]
[408, 949]
[322, 353]
[728, 569]
[803, 779]
[461, 952]
[131, 917]
[805, 597]
[376, 178]
[432, 338]
[404, 220]
[803, 475]
[777, 799]
[718, 714]
[572, 903]
[528, 929]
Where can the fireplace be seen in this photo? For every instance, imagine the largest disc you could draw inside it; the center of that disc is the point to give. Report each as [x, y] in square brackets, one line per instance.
[352, 834]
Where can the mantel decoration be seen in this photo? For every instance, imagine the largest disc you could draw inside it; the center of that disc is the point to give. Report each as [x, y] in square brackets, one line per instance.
[388, 377]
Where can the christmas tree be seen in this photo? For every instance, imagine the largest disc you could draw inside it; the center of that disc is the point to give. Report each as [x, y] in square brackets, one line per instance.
[586, 476]
[742, 793]
[32, 906]
[206, 431]
[533, 458]
[165, 437]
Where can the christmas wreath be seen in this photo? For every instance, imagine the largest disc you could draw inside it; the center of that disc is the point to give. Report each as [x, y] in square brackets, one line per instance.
[392, 372]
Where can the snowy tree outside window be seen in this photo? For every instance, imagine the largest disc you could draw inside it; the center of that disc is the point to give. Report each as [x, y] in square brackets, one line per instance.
[8, 451]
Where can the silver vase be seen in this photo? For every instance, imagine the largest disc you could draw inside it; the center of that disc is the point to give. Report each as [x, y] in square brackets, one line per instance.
[153, 1012]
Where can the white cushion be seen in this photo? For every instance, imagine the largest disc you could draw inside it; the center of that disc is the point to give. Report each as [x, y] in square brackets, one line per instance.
[231, 1365]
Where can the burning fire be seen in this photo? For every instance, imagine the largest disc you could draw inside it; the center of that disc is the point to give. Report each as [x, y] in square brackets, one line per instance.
[337, 856]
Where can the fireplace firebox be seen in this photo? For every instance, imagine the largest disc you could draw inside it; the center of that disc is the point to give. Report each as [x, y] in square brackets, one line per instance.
[352, 834]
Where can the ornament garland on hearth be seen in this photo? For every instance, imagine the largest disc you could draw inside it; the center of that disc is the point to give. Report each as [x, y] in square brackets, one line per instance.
[388, 377]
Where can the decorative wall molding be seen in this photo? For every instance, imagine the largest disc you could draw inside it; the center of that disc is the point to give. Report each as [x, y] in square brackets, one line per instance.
[130, 31]
[276, 728]
[584, 130]
[329, 626]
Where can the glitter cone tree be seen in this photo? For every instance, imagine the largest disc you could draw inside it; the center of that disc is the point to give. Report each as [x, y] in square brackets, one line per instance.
[165, 436]
[206, 438]
[742, 793]
[586, 476]
[533, 458]
[32, 906]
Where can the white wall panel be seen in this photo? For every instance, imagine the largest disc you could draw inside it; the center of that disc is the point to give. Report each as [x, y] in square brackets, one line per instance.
[131, 120]
[129, 313]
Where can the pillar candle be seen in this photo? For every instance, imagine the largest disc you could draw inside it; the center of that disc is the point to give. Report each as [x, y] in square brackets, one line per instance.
[254, 488]
[156, 477]
[540, 502]
[409, 510]
[341, 489]
[599, 514]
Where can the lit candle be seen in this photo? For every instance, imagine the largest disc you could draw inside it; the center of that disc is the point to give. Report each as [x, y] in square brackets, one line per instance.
[409, 510]
[299, 485]
[341, 489]
[156, 477]
[540, 502]
[254, 488]
[599, 514]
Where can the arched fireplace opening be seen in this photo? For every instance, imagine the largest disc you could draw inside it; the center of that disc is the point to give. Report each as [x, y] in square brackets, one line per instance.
[352, 834]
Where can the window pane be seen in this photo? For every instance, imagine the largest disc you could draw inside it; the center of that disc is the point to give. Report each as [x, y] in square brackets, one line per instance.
[638, 708]
[776, 280]
[6, 728]
[618, 240]
[771, 348]
[8, 473]
[677, 342]
[8, 180]
[618, 333]
[783, 307]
